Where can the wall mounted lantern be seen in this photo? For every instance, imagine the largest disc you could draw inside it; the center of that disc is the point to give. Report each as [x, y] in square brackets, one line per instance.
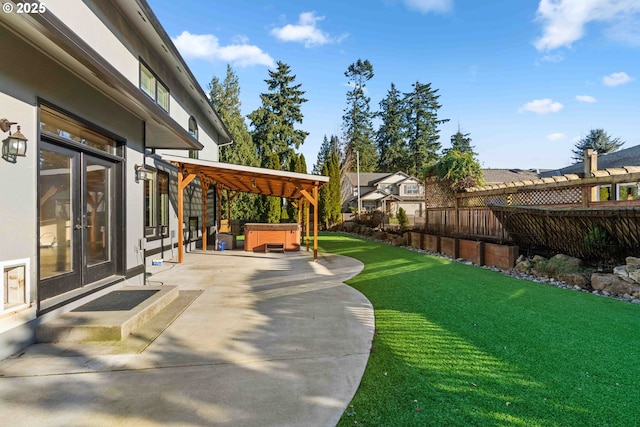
[142, 173]
[15, 145]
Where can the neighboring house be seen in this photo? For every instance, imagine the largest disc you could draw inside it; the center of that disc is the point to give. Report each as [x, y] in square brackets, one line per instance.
[618, 159]
[498, 176]
[629, 157]
[101, 93]
[386, 192]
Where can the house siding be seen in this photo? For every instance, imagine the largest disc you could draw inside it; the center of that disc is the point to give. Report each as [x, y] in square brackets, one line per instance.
[32, 77]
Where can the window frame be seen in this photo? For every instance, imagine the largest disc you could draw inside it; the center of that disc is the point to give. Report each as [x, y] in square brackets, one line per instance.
[156, 218]
[409, 189]
[160, 92]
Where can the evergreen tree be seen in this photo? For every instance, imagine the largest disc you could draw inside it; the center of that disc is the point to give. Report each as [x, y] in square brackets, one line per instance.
[331, 145]
[390, 139]
[272, 205]
[357, 120]
[457, 170]
[225, 100]
[324, 201]
[461, 142]
[335, 194]
[275, 120]
[298, 164]
[598, 140]
[330, 194]
[421, 114]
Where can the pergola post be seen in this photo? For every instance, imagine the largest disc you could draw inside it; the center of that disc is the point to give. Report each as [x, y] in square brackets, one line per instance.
[205, 190]
[182, 184]
[315, 222]
[312, 199]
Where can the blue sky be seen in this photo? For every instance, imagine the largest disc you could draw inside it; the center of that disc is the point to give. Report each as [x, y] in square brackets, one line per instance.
[524, 78]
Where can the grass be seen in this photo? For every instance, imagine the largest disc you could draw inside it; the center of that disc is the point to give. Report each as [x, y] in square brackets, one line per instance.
[461, 345]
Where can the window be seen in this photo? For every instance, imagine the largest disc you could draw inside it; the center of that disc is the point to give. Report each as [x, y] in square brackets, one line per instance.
[60, 124]
[411, 189]
[157, 205]
[153, 87]
[628, 191]
[604, 193]
[193, 130]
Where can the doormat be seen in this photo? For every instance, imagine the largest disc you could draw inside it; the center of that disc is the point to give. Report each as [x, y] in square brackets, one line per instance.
[117, 301]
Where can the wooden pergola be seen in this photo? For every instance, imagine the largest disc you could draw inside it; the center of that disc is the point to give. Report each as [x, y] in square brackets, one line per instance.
[245, 179]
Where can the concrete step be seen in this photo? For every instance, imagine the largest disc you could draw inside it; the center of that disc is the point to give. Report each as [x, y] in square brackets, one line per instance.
[112, 317]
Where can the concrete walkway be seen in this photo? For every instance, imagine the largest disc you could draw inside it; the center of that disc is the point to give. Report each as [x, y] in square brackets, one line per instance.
[271, 340]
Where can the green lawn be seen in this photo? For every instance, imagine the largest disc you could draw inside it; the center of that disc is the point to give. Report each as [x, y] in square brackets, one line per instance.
[461, 345]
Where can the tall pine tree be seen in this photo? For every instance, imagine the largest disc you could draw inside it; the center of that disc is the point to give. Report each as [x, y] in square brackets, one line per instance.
[423, 135]
[357, 120]
[461, 142]
[225, 100]
[275, 120]
[390, 137]
[329, 146]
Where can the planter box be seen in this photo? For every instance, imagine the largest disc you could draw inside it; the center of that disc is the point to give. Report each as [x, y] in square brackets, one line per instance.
[416, 240]
[431, 243]
[449, 246]
[471, 250]
[501, 256]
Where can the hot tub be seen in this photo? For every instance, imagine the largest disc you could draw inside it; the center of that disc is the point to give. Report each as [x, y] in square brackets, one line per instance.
[260, 237]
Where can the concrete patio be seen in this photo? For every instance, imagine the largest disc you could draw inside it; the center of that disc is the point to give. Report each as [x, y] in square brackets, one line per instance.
[253, 339]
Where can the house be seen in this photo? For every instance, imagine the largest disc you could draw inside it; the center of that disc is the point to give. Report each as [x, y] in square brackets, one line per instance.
[498, 176]
[618, 159]
[100, 93]
[617, 162]
[386, 192]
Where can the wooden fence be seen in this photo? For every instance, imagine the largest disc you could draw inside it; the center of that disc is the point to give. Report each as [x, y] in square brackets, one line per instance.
[481, 213]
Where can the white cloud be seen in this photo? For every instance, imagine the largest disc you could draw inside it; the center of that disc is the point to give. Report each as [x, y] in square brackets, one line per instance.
[305, 31]
[586, 98]
[564, 21]
[557, 136]
[541, 106]
[616, 79]
[207, 46]
[426, 6]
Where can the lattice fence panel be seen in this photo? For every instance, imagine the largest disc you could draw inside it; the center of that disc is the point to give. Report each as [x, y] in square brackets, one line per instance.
[554, 196]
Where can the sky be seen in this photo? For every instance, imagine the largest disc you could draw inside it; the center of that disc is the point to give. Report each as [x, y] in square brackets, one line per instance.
[525, 79]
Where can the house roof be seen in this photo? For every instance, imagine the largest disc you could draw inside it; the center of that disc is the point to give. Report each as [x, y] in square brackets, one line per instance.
[370, 179]
[618, 159]
[49, 34]
[367, 179]
[496, 176]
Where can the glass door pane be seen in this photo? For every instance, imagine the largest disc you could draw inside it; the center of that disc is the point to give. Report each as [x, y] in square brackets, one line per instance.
[97, 229]
[56, 213]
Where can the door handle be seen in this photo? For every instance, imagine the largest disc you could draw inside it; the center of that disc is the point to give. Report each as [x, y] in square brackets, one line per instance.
[78, 227]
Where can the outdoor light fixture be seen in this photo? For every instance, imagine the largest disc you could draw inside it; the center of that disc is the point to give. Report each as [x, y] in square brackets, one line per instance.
[15, 145]
[142, 173]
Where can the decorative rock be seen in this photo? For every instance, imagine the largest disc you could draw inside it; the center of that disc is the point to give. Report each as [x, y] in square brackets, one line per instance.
[600, 281]
[523, 266]
[634, 273]
[613, 284]
[576, 262]
[621, 271]
[632, 261]
[538, 258]
[575, 279]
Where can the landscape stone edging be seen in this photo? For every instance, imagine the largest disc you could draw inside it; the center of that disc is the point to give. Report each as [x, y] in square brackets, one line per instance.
[510, 272]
